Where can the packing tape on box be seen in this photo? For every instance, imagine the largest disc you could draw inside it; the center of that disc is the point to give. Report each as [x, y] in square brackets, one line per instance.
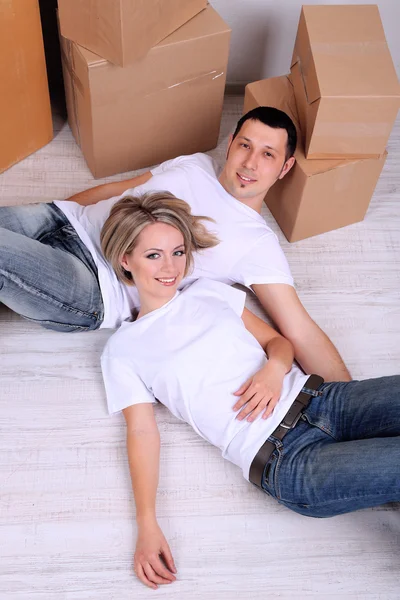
[211, 75]
[159, 86]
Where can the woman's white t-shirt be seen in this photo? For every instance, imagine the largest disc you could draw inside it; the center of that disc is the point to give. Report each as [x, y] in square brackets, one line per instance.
[192, 354]
[249, 251]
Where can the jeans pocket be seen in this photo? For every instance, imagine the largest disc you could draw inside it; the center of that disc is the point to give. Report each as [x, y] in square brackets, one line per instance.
[269, 475]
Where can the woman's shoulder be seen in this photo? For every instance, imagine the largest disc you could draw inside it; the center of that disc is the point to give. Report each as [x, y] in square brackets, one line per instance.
[120, 341]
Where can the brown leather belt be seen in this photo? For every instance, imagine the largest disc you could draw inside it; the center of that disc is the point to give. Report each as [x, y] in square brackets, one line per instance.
[289, 421]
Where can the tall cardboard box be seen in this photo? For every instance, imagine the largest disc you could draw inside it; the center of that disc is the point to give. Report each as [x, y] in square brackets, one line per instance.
[316, 195]
[123, 30]
[25, 112]
[167, 104]
[345, 84]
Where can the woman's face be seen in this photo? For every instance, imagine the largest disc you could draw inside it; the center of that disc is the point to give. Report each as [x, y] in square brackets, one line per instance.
[157, 263]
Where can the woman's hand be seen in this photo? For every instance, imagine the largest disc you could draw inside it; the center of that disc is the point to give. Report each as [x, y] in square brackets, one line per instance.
[153, 562]
[259, 392]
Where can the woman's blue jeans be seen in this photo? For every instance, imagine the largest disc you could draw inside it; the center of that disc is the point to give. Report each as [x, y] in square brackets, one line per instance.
[343, 454]
[47, 274]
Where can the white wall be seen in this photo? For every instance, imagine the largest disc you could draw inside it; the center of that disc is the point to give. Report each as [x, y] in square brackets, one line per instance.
[263, 34]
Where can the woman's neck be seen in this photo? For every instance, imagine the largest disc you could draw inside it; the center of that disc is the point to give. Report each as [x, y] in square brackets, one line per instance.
[150, 303]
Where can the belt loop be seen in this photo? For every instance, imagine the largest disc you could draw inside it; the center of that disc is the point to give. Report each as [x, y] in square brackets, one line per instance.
[288, 422]
[314, 393]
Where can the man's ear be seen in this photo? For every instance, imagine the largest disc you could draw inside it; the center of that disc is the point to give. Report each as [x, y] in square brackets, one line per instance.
[230, 140]
[287, 166]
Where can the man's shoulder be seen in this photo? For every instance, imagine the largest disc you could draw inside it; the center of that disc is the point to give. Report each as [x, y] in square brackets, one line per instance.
[196, 162]
[202, 161]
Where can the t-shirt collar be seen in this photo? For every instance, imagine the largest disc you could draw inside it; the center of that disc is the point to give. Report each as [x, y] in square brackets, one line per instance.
[157, 311]
[240, 205]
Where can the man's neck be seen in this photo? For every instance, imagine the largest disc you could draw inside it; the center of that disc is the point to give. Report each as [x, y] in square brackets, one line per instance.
[255, 203]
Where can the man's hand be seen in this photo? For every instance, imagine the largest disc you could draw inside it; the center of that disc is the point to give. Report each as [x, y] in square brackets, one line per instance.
[262, 391]
[152, 551]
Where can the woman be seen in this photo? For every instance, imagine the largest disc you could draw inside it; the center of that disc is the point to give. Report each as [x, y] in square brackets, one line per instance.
[320, 448]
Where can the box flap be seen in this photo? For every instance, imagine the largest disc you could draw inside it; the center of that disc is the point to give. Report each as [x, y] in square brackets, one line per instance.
[208, 21]
[205, 24]
[278, 92]
[342, 51]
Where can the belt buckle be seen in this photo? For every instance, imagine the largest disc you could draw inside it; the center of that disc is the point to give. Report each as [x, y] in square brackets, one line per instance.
[293, 423]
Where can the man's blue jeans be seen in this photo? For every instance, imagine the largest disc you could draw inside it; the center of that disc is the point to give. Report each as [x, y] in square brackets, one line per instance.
[47, 274]
[344, 453]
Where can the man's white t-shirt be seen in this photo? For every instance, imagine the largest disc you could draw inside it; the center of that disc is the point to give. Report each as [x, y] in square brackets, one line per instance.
[248, 253]
[192, 354]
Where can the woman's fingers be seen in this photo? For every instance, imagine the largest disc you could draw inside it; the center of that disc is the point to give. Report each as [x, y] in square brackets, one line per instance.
[269, 403]
[251, 390]
[256, 405]
[161, 570]
[152, 572]
[270, 407]
[157, 573]
[141, 575]
[243, 387]
[251, 405]
[244, 400]
[167, 555]
[258, 408]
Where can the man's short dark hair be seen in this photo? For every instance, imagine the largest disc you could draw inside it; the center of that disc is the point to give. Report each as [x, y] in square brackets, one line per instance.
[275, 118]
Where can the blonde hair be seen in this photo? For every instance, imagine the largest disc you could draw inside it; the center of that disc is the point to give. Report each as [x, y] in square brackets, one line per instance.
[130, 215]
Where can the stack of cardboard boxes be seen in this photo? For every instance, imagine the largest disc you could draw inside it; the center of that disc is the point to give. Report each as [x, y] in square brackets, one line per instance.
[144, 80]
[25, 112]
[343, 96]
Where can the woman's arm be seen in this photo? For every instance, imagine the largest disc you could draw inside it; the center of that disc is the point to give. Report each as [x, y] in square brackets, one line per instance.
[143, 444]
[263, 389]
[275, 345]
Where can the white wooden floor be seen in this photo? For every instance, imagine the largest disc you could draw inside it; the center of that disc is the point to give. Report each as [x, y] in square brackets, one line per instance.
[66, 512]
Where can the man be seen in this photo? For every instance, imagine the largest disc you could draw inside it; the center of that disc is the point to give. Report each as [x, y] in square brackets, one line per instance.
[52, 270]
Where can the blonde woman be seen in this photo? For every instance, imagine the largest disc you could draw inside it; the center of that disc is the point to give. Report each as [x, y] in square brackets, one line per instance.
[319, 449]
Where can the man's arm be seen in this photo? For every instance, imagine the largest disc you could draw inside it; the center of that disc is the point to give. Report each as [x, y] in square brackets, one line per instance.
[312, 348]
[108, 190]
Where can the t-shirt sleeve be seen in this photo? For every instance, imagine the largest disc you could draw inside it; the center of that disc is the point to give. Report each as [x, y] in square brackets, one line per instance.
[165, 166]
[264, 262]
[123, 385]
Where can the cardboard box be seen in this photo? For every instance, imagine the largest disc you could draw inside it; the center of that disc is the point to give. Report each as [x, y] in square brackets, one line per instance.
[25, 112]
[167, 104]
[344, 80]
[123, 30]
[316, 195]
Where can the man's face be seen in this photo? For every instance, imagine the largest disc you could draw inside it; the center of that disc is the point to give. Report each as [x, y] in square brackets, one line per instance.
[255, 160]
